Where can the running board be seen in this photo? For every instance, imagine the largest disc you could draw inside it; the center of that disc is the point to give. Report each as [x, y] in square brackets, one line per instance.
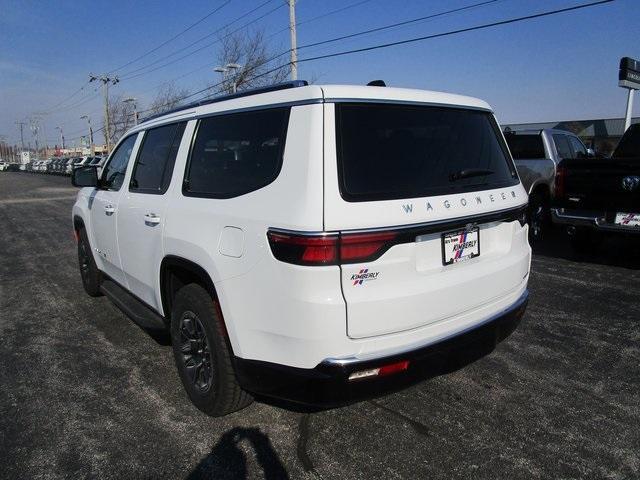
[132, 307]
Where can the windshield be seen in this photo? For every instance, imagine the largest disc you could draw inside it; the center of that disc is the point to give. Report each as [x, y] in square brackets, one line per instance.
[390, 151]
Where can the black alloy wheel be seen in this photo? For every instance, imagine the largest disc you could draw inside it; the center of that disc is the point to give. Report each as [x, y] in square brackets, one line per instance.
[196, 353]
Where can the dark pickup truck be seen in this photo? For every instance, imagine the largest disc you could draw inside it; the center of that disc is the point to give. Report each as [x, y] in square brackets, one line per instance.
[600, 196]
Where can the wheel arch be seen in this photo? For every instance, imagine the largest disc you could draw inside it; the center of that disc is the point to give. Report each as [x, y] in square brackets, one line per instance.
[176, 272]
[542, 189]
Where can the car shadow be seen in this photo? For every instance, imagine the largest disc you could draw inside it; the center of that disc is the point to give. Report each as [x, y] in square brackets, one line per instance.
[615, 251]
[227, 459]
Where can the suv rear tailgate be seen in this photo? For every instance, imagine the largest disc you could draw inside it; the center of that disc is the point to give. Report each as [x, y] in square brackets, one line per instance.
[409, 286]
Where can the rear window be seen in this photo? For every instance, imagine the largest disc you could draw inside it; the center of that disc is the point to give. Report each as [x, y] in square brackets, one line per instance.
[526, 146]
[236, 153]
[562, 146]
[397, 151]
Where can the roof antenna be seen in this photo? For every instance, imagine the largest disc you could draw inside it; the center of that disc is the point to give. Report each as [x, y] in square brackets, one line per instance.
[376, 83]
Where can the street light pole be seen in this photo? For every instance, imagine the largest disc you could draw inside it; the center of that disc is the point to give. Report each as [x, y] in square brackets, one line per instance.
[90, 133]
[135, 108]
[235, 67]
[61, 136]
[223, 73]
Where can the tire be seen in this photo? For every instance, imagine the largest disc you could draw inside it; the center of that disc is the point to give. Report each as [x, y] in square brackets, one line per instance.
[89, 272]
[537, 217]
[202, 355]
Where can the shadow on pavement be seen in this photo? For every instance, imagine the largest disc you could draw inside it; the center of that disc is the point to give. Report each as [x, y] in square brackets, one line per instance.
[227, 459]
[616, 251]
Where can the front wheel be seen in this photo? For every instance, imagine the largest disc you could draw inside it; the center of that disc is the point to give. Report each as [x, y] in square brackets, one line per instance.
[202, 355]
[88, 269]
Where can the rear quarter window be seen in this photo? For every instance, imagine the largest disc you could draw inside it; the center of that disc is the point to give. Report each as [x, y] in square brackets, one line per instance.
[234, 154]
[390, 151]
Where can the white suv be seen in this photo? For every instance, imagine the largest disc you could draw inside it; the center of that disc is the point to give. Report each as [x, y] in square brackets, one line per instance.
[317, 244]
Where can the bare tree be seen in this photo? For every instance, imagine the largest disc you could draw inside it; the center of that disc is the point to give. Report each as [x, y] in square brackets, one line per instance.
[251, 51]
[168, 97]
[121, 118]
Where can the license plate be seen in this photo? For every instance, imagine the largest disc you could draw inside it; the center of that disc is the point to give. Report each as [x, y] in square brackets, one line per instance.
[628, 219]
[461, 245]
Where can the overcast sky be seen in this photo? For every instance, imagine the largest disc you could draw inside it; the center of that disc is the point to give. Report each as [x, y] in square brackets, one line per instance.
[553, 68]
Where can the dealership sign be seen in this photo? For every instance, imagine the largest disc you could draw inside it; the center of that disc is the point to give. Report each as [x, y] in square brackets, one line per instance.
[629, 74]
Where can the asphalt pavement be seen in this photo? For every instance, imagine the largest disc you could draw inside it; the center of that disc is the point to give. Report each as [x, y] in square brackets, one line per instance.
[85, 393]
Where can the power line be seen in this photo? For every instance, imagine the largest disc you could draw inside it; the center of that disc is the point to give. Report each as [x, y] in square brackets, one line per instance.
[129, 75]
[455, 10]
[401, 42]
[213, 12]
[454, 32]
[399, 24]
[313, 19]
[438, 35]
[47, 111]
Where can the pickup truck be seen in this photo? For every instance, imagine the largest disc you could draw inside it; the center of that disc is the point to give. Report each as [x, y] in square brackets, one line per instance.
[536, 154]
[599, 197]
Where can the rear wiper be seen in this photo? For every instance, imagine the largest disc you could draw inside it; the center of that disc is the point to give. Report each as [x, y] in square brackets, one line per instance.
[468, 173]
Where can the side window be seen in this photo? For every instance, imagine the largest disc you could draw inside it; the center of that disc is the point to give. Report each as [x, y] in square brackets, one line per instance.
[154, 165]
[236, 153]
[113, 173]
[579, 150]
[562, 146]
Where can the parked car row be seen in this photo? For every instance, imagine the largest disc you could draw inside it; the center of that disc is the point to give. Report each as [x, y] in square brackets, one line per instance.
[63, 166]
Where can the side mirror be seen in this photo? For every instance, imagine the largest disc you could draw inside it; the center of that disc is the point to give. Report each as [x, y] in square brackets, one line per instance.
[84, 177]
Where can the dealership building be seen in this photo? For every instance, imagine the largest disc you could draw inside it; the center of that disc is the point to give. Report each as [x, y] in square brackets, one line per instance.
[601, 134]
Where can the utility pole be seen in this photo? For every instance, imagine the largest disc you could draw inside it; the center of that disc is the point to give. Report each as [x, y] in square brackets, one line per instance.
[294, 41]
[21, 125]
[61, 137]
[106, 80]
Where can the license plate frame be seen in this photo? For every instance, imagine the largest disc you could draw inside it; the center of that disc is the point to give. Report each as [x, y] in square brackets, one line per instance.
[456, 237]
[633, 222]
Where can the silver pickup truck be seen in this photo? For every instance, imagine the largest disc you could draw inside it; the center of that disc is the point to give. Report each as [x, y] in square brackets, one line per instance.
[536, 154]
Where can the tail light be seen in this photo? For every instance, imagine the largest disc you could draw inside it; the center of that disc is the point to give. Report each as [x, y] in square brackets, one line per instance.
[561, 176]
[329, 249]
[385, 370]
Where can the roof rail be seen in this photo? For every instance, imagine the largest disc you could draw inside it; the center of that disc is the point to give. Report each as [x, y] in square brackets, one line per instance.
[244, 93]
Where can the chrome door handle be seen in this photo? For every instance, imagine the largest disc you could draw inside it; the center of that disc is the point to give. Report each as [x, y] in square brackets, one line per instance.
[109, 210]
[151, 219]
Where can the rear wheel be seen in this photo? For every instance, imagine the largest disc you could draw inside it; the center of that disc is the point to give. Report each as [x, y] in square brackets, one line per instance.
[88, 269]
[538, 217]
[202, 355]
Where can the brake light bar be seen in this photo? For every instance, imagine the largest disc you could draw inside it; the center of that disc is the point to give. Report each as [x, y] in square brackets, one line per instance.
[329, 249]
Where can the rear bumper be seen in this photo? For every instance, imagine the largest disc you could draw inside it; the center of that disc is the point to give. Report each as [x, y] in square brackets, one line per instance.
[328, 384]
[589, 219]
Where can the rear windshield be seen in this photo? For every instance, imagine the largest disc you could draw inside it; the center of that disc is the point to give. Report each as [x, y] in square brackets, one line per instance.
[398, 151]
[525, 146]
